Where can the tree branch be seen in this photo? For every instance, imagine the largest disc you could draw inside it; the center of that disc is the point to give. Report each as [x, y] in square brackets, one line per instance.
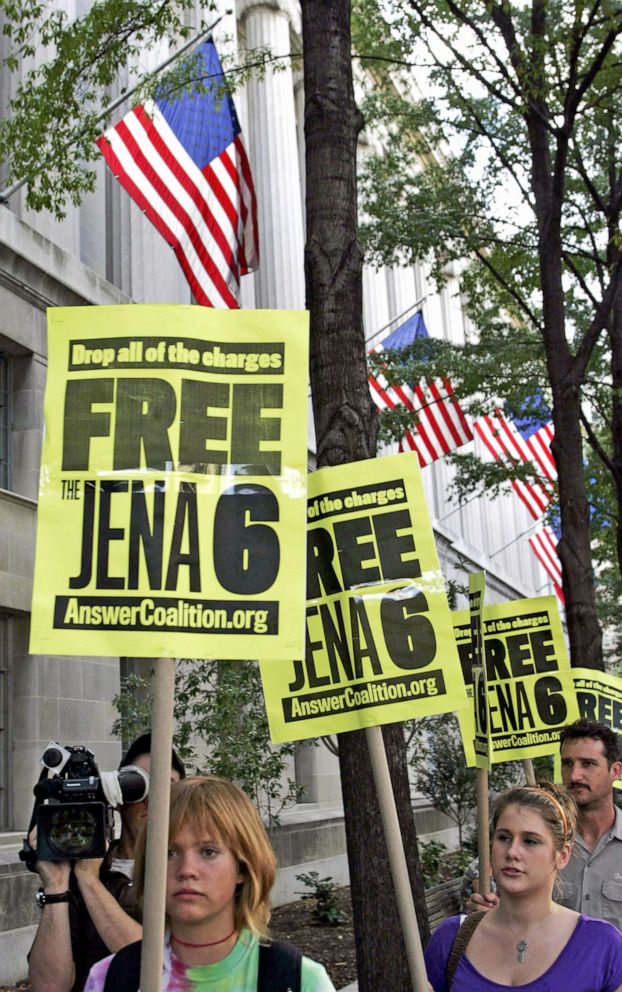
[468, 67]
[575, 97]
[596, 445]
[599, 320]
[522, 303]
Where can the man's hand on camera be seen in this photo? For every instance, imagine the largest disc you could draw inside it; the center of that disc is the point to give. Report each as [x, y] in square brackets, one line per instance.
[478, 903]
[54, 875]
[87, 869]
[50, 963]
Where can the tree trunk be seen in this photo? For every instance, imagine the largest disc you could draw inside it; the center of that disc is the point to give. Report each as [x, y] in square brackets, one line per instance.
[380, 952]
[345, 425]
[616, 417]
[344, 415]
[565, 373]
[574, 549]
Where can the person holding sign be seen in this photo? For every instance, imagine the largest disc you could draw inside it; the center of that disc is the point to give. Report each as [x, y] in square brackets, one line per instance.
[527, 940]
[221, 868]
[591, 761]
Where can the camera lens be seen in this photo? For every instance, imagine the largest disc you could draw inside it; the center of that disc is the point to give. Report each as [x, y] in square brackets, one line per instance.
[72, 832]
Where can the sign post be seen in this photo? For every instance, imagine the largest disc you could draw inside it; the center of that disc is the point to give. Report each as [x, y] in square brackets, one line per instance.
[530, 775]
[483, 829]
[397, 859]
[157, 826]
[477, 592]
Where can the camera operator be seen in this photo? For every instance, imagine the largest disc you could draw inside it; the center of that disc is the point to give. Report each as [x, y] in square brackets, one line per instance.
[94, 914]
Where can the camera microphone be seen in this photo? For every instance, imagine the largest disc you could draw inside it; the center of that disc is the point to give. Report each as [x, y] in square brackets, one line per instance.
[55, 757]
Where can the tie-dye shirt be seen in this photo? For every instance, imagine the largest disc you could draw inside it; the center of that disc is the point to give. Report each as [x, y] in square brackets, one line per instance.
[235, 973]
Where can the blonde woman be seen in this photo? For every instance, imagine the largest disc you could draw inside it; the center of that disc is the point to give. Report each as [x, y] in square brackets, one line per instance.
[221, 868]
[528, 943]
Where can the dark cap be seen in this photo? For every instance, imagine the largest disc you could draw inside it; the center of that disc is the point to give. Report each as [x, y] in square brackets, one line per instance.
[142, 745]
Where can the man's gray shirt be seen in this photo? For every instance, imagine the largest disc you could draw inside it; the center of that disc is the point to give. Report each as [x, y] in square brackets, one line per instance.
[591, 882]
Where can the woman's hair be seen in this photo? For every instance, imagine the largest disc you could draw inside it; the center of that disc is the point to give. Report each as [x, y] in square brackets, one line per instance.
[555, 806]
[211, 804]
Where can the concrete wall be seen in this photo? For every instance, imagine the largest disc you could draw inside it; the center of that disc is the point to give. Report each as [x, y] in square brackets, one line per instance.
[18, 913]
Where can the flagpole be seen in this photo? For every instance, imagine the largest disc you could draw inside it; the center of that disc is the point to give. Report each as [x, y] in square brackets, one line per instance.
[163, 65]
[5, 194]
[460, 506]
[549, 582]
[413, 306]
[524, 533]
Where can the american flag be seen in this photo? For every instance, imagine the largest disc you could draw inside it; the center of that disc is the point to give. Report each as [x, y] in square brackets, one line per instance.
[184, 163]
[543, 542]
[509, 445]
[439, 423]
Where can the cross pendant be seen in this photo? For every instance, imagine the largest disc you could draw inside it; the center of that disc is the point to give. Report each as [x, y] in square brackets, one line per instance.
[521, 947]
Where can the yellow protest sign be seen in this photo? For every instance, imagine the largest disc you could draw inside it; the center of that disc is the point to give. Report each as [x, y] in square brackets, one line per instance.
[173, 483]
[481, 730]
[529, 680]
[599, 697]
[379, 637]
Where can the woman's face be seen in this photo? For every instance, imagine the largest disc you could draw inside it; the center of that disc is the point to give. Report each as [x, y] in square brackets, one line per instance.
[524, 856]
[201, 882]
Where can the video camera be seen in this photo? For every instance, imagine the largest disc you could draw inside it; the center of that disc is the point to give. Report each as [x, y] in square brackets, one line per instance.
[73, 809]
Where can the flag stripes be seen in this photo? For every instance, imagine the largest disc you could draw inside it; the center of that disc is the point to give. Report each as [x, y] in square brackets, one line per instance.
[185, 165]
[439, 425]
[195, 213]
[539, 444]
[505, 444]
[544, 544]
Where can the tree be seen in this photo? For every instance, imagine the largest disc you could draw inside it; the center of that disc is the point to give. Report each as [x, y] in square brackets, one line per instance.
[219, 705]
[345, 428]
[510, 365]
[529, 96]
[442, 776]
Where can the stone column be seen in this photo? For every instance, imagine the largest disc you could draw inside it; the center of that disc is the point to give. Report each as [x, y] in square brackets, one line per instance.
[273, 150]
[375, 303]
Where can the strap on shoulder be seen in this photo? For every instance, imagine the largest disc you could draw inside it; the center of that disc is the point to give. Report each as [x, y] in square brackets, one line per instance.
[280, 967]
[124, 969]
[459, 946]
